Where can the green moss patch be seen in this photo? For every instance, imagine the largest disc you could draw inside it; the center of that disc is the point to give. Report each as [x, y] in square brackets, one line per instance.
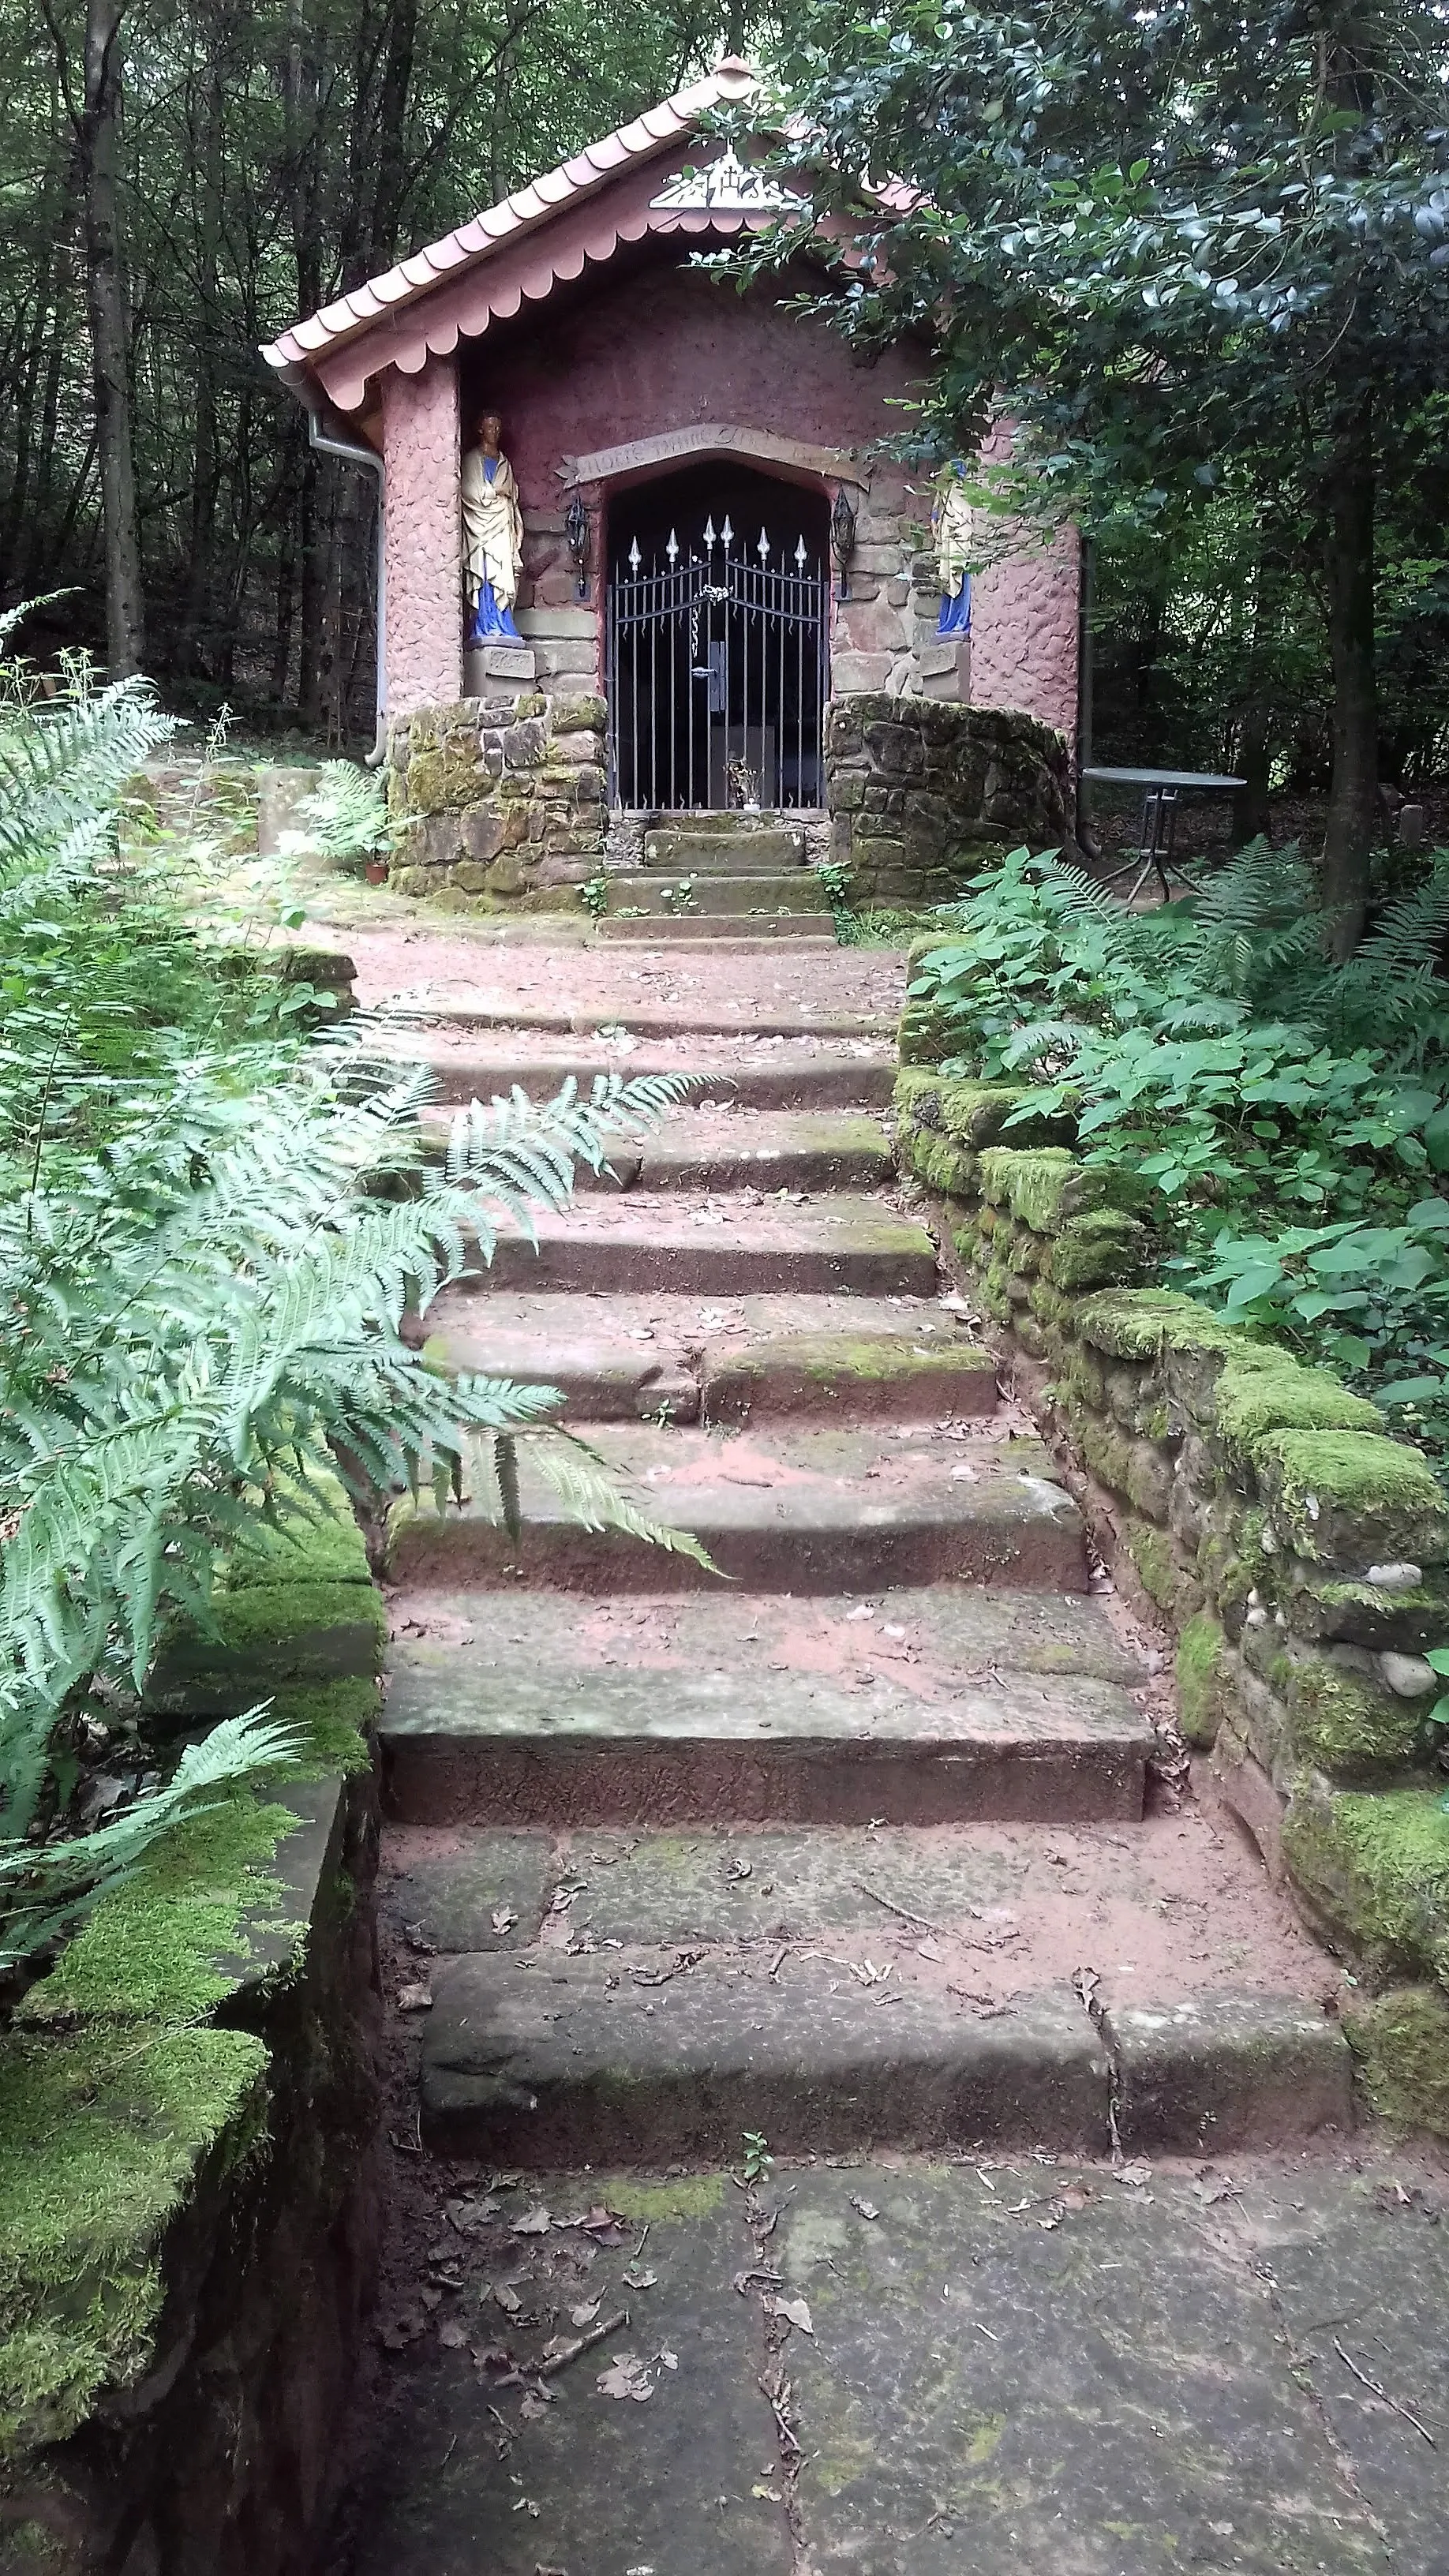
[1347, 1725]
[917, 1098]
[268, 1633]
[1138, 1323]
[975, 1113]
[1401, 2043]
[942, 1165]
[1374, 1870]
[1271, 1392]
[101, 2138]
[1202, 1675]
[1100, 1249]
[1347, 1498]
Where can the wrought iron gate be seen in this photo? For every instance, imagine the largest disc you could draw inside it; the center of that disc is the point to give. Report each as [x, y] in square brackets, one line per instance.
[717, 674]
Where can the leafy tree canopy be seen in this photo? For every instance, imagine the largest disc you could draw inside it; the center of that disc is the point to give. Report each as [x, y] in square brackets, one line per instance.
[1171, 243]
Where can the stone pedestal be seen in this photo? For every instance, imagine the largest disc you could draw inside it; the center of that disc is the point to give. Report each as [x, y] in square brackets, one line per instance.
[500, 671]
[946, 670]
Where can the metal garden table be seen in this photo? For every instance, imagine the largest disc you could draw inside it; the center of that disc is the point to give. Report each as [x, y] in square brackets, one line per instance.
[1160, 791]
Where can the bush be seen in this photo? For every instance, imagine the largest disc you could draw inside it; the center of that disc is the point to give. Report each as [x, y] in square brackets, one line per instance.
[1289, 1117]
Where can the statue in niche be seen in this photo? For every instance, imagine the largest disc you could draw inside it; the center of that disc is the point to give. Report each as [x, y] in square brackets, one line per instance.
[492, 538]
[951, 526]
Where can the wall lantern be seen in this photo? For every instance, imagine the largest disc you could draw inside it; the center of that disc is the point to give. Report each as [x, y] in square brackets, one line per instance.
[576, 529]
[842, 539]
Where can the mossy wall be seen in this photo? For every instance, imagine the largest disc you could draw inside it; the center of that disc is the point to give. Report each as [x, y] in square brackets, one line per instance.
[1300, 1552]
[187, 2131]
[500, 805]
[922, 794]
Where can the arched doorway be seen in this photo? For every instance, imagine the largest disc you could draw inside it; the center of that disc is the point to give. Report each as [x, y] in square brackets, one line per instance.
[718, 640]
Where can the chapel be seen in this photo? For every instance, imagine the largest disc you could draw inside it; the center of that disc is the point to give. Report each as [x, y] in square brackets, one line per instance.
[642, 553]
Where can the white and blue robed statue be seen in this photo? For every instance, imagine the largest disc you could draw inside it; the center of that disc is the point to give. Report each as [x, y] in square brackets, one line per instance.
[951, 527]
[492, 538]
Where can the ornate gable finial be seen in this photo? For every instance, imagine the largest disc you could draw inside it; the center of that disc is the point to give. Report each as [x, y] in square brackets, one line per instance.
[724, 186]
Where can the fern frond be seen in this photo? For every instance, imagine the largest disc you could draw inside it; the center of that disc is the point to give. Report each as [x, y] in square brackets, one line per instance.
[586, 1487]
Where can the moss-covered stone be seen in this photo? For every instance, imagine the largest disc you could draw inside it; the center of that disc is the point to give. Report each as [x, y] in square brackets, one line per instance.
[917, 1098]
[444, 779]
[996, 1291]
[942, 1165]
[1367, 1614]
[1082, 1377]
[1346, 1725]
[1162, 1578]
[266, 1633]
[927, 1033]
[1102, 1445]
[1100, 1249]
[101, 2141]
[579, 715]
[1149, 1480]
[1276, 1393]
[1137, 1323]
[1202, 1680]
[1029, 1180]
[1349, 1499]
[1373, 1870]
[975, 1113]
[1400, 2041]
[1048, 1303]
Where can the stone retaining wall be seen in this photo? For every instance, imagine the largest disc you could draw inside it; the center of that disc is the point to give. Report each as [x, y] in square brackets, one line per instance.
[188, 2128]
[1300, 1553]
[499, 802]
[923, 794]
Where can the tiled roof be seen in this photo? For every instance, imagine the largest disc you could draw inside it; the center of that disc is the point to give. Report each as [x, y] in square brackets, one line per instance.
[298, 351]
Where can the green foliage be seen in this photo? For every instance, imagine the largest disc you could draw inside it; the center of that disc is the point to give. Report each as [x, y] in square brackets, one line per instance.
[205, 1291]
[345, 818]
[1289, 1118]
[594, 894]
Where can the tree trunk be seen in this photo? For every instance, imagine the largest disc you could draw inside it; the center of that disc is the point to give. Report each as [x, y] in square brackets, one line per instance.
[1353, 797]
[110, 353]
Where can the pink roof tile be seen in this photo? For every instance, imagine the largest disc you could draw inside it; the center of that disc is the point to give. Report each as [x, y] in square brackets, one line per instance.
[474, 241]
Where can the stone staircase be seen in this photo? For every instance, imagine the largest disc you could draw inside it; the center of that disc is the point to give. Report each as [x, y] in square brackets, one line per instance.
[900, 1649]
[736, 875]
[846, 1851]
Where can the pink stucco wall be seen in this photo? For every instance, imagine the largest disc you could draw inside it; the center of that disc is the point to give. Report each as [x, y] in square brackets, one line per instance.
[660, 347]
[1024, 634]
[423, 538]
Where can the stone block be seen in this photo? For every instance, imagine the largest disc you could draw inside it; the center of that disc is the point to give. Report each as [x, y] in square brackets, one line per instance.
[524, 745]
[580, 714]
[1219, 2072]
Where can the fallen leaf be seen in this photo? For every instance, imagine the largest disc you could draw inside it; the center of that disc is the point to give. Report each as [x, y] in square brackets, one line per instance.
[638, 2280]
[1134, 2176]
[866, 2208]
[626, 2376]
[504, 1920]
[469, 2215]
[536, 2223]
[585, 2315]
[669, 2359]
[863, 1609]
[605, 2226]
[508, 2300]
[493, 2356]
[740, 1869]
[453, 2335]
[928, 1950]
[795, 2312]
[767, 2495]
[415, 1999]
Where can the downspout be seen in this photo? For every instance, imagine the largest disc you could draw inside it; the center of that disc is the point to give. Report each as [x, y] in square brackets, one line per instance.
[349, 452]
[1085, 677]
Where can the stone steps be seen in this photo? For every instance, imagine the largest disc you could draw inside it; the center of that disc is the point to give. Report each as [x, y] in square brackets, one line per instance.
[702, 848]
[922, 1708]
[662, 2054]
[744, 1072]
[632, 1242]
[620, 1358]
[643, 1021]
[716, 1149]
[722, 931]
[723, 894]
[810, 1512]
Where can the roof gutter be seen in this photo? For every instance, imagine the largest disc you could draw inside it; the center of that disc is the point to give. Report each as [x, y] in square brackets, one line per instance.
[349, 452]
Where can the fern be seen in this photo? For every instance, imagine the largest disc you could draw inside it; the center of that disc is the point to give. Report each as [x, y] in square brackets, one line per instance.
[346, 816]
[205, 1293]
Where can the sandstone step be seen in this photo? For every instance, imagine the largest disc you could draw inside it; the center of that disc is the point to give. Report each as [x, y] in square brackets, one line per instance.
[722, 931]
[921, 1708]
[748, 1072]
[654, 2053]
[632, 1242]
[622, 1358]
[815, 1511]
[701, 1019]
[622, 2057]
[736, 892]
[725, 1149]
[729, 845]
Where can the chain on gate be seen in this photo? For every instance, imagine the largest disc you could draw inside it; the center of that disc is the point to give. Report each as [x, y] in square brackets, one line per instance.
[717, 675]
